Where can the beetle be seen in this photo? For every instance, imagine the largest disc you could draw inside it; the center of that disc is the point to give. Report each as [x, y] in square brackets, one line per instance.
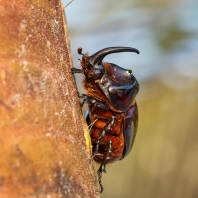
[113, 113]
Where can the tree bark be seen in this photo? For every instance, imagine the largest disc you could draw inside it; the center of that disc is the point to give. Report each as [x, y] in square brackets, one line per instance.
[43, 149]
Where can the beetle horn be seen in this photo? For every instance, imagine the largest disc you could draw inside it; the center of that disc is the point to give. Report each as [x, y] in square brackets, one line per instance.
[99, 56]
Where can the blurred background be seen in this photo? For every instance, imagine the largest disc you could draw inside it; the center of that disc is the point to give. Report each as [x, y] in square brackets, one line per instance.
[164, 159]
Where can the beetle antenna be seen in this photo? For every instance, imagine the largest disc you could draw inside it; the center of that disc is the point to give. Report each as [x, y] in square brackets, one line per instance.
[99, 56]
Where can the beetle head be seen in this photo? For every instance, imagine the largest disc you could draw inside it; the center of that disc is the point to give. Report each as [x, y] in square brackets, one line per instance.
[92, 65]
[118, 84]
[90, 70]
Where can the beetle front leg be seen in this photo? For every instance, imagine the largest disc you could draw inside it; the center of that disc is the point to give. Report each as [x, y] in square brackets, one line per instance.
[86, 99]
[76, 70]
[94, 101]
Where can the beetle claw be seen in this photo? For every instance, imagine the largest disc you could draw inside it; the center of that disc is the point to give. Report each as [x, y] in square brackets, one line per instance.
[99, 173]
[102, 168]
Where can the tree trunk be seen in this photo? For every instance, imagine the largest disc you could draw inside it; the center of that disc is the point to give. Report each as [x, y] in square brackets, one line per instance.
[43, 149]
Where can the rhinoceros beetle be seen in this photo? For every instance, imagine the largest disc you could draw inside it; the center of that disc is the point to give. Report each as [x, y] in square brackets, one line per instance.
[113, 113]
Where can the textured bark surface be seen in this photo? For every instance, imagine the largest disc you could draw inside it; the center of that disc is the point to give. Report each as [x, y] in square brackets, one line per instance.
[43, 151]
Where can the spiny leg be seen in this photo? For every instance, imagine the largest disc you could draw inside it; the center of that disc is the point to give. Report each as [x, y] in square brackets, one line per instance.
[95, 101]
[111, 120]
[86, 99]
[106, 156]
[104, 130]
[102, 167]
[76, 70]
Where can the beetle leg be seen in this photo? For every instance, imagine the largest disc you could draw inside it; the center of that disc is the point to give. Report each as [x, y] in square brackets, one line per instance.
[99, 173]
[100, 105]
[76, 70]
[110, 148]
[95, 101]
[104, 130]
[86, 99]
[102, 167]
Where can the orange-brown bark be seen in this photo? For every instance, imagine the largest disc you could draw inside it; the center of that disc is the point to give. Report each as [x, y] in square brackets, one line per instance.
[42, 147]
